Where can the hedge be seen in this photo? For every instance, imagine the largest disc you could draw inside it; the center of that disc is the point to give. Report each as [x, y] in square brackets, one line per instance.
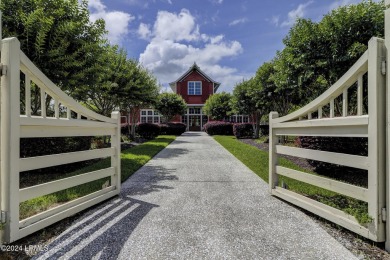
[347, 145]
[218, 128]
[243, 130]
[174, 128]
[147, 130]
[30, 147]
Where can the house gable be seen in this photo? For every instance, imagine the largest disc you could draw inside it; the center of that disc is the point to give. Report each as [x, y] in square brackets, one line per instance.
[194, 74]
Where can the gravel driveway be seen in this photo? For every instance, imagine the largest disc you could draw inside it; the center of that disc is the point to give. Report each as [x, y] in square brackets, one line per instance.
[195, 200]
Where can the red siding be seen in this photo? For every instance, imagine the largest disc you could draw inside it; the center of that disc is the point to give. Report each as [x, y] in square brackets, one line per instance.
[207, 89]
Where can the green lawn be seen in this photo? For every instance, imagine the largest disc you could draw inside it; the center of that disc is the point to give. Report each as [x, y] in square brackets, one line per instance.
[257, 160]
[131, 160]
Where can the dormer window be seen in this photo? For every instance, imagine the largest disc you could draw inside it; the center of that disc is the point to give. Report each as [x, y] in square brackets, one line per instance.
[194, 87]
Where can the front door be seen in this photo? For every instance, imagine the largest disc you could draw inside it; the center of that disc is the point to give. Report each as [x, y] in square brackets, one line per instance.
[194, 123]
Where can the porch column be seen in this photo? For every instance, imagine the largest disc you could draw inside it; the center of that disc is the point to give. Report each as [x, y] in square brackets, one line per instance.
[188, 119]
[201, 118]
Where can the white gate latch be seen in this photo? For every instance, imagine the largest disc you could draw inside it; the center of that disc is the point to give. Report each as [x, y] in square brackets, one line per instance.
[3, 69]
[384, 214]
[383, 67]
[3, 216]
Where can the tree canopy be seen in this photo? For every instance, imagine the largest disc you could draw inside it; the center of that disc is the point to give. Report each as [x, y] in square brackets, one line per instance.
[316, 55]
[169, 105]
[72, 51]
[218, 106]
[249, 99]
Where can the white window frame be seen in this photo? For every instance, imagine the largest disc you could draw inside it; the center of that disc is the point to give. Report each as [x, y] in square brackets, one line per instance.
[148, 115]
[194, 86]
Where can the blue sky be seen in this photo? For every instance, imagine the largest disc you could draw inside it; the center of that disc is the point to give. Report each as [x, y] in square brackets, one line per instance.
[228, 39]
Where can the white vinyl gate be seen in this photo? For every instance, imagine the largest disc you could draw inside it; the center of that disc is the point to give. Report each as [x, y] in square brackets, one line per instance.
[372, 69]
[70, 119]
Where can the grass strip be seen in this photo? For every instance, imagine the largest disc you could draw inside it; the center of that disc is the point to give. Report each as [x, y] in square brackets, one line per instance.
[131, 160]
[257, 160]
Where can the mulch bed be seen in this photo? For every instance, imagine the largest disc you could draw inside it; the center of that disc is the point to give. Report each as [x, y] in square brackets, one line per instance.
[359, 246]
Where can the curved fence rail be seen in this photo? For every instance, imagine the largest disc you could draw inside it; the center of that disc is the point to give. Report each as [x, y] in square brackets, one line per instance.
[68, 119]
[334, 115]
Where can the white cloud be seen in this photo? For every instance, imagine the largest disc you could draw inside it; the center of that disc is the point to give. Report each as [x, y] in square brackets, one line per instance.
[339, 3]
[274, 20]
[176, 27]
[116, 21]
[176, 43]
[144, 31]
[238, 21]
[217, 1]
[299, 12]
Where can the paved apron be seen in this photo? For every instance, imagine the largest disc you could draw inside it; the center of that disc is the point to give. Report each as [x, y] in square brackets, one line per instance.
[195, 200]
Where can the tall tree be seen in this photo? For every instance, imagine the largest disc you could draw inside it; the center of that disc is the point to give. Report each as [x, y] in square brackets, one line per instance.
[58, 37]
[316, 55]
[135, 88]
[218, 106]
[169, 105]
[249, 99]
[100, 97]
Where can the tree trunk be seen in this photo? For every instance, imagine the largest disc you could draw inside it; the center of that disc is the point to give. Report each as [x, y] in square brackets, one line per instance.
[257, 125]
[133, 121]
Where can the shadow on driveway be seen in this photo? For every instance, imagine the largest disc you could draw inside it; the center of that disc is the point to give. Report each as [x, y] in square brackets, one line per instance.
[101, 234]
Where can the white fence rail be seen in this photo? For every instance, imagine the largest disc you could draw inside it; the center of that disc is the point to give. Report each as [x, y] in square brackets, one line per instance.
[76, 121]
[370, 125]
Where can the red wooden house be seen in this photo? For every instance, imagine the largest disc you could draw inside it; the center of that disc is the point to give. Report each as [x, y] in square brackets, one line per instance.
[195, 87]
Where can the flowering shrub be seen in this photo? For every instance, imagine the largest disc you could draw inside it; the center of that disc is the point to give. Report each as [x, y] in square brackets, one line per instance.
[218, 128]
[147, 130]
[244, 130]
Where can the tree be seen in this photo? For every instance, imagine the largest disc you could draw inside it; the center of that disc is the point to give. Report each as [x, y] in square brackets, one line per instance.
[249, 98]
[58, 37]
[100, 97]
[169, 105]
[218, 106]
[316, 55]
[135, 88]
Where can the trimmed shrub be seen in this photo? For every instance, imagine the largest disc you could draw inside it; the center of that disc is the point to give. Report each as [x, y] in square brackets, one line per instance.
[264, 130]
[53, 145]
[176, 128]
[148, 130]
[173, 128]
[218, 128]
[244, 130]
[163, 129]
[30, 147]
[347, 145]
[125, 130]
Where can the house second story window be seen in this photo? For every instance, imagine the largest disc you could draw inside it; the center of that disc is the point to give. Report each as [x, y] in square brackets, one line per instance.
[194, 88]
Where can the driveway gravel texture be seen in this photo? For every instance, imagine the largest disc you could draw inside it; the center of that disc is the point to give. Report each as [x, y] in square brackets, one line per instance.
[194, 200]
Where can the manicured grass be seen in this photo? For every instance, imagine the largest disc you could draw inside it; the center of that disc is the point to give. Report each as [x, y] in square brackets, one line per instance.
[131, 160]
[257, 160]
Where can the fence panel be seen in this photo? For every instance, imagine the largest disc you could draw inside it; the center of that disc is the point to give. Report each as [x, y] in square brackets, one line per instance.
[370, 125]
[78, 121]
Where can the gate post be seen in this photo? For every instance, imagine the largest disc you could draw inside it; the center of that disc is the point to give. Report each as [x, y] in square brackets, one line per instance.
[116, 158]
[387, 45]
[10, 138]
[273, 157]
